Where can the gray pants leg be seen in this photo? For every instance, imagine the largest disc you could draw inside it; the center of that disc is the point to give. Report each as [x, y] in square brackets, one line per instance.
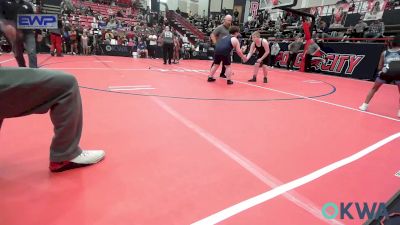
[25, 91]
[30, 46]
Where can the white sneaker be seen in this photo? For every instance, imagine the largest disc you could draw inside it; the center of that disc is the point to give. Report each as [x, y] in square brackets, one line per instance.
[363, 107]
[86, 158]
[89, 157]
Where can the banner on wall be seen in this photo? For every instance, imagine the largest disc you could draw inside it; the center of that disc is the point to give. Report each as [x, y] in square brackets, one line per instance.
[375, 9]
[317, 11]
[266, 4]
[254, 5]
[341, 59]
[116, 50]
[339, 14]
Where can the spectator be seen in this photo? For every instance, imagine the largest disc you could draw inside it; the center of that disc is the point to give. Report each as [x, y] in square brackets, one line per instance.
[108, 36]
[142, 49]
[119, 14]
[249, 18]
[110, 12]
[185, 39]
[275, 48]
[128, 12]
[84, 43]
[102, 23]
[56, 40]
[152, 45]
[323, 29]
[375, 30]
[236, 14]
[348, 34]
[73, 36]
[177, 47]
[312, 49]
[294, 49]
[360, 28]
[225, 12]
[94, 24]
[112, 24]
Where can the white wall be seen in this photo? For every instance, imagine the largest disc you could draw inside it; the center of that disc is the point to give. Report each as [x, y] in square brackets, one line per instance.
[203, 5]
[215, 5]
[172, 5]
[228, 4]
[193, 5]
[183, 5]
[299, 4]
[246, 10]
[313, 3]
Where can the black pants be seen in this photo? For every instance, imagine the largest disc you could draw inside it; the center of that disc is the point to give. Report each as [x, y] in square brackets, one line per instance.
[28, 42]
[168, 51]
[308, 63]
[152, 51]
[222, 70]
[272, 60]
[291, 60]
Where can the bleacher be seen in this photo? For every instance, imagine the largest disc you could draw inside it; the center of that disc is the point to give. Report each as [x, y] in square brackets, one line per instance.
[185, 27]
[101, 9]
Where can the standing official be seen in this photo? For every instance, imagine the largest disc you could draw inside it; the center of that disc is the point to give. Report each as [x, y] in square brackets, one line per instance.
[167, 40]
[220, 32]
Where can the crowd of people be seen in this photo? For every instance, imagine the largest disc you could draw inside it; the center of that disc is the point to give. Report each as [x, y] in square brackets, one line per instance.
[144, 36]
[115, 28]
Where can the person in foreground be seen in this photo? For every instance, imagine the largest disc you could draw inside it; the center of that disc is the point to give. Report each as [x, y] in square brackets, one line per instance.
[389, 71]
[25, 91]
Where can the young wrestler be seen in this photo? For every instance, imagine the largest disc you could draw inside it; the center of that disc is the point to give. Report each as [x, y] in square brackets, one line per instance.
[223, 54]
[262, 46]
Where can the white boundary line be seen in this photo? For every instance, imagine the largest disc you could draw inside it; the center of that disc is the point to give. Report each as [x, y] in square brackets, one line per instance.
[132, 86]
[322, 101]
[256, 200]
[8, 60]
[95, 68]
[245, 163]
[131, 89]
[244, 83]
[312, 99]
[126, 69]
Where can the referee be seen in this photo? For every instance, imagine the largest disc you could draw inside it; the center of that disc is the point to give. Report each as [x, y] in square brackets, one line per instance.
[220, 32]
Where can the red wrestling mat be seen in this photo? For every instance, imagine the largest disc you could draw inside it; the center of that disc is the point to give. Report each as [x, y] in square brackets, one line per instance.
[184, 151]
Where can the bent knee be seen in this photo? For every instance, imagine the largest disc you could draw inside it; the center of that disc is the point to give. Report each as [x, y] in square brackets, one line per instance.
[66, 81]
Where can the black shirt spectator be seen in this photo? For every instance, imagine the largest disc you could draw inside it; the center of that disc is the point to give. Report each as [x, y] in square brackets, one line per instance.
[359, 28]
[375, 30]
[236, 13]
